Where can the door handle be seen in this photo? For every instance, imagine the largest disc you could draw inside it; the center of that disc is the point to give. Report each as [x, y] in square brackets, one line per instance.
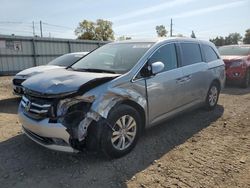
[188, 78]
[180, 80]
[184, 79]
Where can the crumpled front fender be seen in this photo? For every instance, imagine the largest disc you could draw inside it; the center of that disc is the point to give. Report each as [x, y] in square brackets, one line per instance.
[105, 98]
[103, 104]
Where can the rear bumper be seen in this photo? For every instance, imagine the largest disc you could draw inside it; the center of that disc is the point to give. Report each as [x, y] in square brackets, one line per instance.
[50, 135]
[236, 74]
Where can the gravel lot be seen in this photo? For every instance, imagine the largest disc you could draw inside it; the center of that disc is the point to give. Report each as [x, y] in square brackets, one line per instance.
[197, 149]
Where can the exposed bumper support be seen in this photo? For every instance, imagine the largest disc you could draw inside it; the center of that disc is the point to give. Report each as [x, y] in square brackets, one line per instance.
[39, 131]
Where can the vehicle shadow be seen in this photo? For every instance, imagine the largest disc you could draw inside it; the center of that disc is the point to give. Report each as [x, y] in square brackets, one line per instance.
[10, 105]
[26, 164]
[235, 90]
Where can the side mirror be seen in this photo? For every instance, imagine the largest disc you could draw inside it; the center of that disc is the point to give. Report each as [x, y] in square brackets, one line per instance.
[157, 67]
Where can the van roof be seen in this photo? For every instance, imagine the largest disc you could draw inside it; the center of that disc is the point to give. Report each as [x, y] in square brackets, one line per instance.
[162, 39]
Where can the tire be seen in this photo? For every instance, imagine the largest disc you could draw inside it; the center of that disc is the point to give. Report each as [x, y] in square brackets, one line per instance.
[246, 81]
[122, 134]
[212, 96]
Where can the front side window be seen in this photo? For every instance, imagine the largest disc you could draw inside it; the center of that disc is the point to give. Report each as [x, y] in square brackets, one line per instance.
[191, 53]
[167, 55]
[115, 57]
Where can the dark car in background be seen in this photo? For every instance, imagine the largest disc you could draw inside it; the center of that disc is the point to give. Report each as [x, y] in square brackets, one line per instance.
[237, 61]
[58, 63]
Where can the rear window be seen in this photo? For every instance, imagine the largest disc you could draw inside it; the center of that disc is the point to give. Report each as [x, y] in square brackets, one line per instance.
[234, 50]
[66, 60]
[210, 54]
[190, 53]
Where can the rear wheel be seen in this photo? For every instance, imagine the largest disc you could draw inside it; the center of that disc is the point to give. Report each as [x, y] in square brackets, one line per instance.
[246, 81]
[121, 137]
[212, 96]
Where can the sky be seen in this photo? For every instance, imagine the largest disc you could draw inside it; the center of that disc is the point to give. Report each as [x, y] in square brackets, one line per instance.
[134, 18]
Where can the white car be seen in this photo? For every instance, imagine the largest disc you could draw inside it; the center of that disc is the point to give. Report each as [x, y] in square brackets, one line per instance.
[58, 63]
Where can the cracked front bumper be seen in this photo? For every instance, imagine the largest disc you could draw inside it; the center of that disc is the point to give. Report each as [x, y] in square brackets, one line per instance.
[50, 135]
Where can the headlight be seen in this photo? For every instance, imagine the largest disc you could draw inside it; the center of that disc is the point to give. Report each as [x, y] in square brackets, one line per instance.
[65, 104]
[22, 76]
[236, 64]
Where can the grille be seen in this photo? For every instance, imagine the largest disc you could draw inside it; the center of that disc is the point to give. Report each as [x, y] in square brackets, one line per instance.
[18, 82]
[36, 108]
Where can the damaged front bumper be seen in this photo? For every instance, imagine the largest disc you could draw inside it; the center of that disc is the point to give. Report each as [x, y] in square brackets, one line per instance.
[61, 121]
[50, 135]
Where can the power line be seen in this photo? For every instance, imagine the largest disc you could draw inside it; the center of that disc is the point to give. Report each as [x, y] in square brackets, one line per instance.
[45, 27]
[5, 22]
[17, 31]
[60, 26]
[31, 28]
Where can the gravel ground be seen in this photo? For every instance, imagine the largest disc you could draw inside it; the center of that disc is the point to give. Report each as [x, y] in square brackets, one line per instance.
[196, 149]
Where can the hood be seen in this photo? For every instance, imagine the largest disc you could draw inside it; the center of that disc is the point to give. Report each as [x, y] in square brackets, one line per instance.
[228, 59]
[61, 81]
[36, 70]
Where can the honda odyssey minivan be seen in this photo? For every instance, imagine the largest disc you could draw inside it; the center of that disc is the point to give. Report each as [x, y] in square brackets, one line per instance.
[104, 101]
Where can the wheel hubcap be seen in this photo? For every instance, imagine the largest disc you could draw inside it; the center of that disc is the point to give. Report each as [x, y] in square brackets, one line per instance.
[124, 132]
[213, 95]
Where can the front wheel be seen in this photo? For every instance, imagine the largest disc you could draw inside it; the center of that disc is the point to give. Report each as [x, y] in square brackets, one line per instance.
[121, 136]
[212, 96]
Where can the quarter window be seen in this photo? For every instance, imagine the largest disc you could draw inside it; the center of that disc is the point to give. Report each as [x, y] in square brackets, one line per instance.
[209, 53]
[167, 55]
[191, 53]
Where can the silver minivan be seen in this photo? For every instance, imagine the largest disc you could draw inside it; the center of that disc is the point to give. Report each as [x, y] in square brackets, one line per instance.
[105, 100]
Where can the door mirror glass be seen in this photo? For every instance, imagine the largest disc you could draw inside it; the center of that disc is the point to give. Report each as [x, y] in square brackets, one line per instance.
[157, 67]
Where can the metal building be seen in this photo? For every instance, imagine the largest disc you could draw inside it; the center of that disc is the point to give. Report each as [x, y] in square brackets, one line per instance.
[18, 53]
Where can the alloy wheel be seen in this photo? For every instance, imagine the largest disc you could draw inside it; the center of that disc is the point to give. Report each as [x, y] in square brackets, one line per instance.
[213, 96]
[124, 132]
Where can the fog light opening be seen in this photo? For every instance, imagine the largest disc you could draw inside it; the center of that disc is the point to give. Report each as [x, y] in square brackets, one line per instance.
[58, 141]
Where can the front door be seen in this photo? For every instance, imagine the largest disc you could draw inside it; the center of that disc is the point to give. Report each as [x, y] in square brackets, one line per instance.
[163, 89]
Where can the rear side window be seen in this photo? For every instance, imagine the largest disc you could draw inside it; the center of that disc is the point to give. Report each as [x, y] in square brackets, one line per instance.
[209, 53]
[191, 53]
[167, 55]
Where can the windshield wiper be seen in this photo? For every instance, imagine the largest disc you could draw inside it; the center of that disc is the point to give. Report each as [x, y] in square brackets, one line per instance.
[95, 70]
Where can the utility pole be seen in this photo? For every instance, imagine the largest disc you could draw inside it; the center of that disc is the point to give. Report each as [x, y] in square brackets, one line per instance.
[33, 26]
[41, 29]
[171, 28]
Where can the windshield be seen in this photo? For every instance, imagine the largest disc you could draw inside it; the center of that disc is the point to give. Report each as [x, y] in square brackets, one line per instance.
[115, 57]
[66, 60]
[234, 50]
